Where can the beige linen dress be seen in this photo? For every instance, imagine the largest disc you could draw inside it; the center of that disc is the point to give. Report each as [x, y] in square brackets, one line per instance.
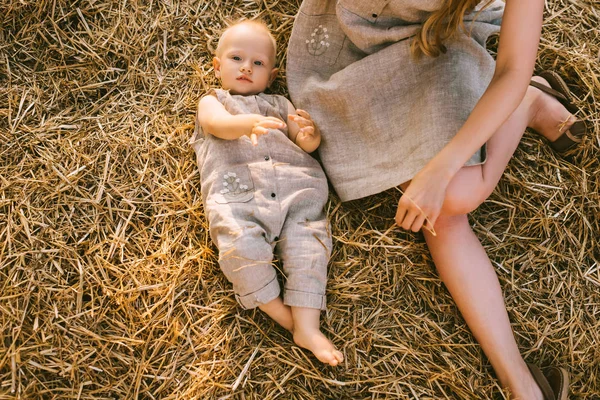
[383, 115]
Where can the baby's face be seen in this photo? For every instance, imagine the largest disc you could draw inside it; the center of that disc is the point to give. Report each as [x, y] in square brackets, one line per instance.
[245, 60]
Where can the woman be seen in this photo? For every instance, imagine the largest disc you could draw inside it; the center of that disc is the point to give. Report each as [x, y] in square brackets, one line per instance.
[404, 94]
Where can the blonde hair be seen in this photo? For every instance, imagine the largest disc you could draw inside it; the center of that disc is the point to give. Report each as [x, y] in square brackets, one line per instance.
[441, 25]
[251, 22]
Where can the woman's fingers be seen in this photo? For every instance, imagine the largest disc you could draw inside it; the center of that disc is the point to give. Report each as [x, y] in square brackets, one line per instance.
[405, 209]
[430, 222]
[428, 226]
[418, 222]
[401, 212]
[411, 216]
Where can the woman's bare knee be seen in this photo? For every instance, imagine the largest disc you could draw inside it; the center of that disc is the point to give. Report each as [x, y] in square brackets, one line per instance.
[467, 191]
[462, 202]
[447, 226]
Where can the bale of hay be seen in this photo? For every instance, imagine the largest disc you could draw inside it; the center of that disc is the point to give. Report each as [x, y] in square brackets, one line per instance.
[110, 287]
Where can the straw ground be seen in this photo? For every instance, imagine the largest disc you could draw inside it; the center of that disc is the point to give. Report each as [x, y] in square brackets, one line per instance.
[110, 287]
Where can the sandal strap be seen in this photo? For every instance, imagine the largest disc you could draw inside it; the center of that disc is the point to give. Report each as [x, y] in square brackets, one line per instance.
[542, 382]
[557, 83]
[559, 96]
[559, 90]
[578, 129]
[570, 137]
[559, 380]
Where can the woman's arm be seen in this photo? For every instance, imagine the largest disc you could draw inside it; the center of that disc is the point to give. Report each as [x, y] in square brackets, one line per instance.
[217, 121]
[517, 51]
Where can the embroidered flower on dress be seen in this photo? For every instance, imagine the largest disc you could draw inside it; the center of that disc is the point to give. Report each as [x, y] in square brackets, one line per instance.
[318, 44]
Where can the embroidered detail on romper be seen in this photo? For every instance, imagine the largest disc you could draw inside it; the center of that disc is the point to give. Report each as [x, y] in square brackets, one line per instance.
[232, 187]
[318, 43]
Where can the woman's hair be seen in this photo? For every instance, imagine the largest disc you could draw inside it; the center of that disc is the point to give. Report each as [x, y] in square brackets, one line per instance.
[441, 25]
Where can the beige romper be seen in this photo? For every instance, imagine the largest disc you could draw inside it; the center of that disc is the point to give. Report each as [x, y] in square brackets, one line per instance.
[264, 199]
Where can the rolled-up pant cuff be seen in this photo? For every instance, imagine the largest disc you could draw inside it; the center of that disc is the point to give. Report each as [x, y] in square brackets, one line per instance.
[260, 296]
[297, 298]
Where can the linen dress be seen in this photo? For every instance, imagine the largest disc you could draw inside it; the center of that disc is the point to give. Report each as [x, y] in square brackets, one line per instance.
[382, 113]
[261, 199]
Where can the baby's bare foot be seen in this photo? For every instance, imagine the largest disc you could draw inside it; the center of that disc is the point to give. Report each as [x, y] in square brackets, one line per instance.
[321, 347]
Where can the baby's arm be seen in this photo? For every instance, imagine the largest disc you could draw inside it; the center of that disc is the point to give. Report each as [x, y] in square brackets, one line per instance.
[302, 129]
[217, 121]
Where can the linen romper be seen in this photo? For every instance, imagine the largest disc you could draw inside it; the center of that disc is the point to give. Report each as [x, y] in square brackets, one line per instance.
[261, 199]
[383, 114]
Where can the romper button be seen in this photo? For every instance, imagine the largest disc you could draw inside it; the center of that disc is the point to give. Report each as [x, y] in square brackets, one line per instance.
[374, 15]
[272, 194]
[276, 238]
[266, 158]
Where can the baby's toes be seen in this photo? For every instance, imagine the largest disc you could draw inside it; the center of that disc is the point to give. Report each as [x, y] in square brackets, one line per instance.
[338, 356]
[332, 360]
[335, 357]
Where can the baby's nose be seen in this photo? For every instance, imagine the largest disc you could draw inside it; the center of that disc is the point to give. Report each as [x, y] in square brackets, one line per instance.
[246, 68]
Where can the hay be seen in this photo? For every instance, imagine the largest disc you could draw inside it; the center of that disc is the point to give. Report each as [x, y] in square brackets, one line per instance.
[110, 287]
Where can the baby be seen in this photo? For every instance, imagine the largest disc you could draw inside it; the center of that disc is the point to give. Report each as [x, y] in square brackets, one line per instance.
[262, 191]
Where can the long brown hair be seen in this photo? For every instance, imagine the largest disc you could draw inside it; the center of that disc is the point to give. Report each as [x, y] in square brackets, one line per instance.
[441, 25]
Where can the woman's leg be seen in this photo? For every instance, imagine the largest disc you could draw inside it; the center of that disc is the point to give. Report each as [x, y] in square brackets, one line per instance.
[470, 278]
[539, 111]
[462, 262]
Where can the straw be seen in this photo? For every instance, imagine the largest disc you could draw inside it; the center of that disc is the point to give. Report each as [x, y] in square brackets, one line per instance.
[110, 285]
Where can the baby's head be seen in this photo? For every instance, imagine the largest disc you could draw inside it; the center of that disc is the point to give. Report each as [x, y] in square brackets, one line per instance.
[245, 58]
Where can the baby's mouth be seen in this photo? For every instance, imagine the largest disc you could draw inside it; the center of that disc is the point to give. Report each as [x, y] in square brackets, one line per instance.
[244, 78]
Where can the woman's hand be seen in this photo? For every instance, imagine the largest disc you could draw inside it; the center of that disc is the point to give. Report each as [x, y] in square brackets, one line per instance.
[421, 204]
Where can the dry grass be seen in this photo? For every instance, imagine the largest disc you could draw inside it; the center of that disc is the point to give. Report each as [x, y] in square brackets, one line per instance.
[110, 287]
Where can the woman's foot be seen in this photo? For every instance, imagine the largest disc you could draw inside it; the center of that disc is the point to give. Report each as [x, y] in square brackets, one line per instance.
[548, 117]
[321, 347]
[524, 387]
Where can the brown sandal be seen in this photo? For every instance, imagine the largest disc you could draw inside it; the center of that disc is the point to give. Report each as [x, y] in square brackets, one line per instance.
[559, 90]
[553, 382]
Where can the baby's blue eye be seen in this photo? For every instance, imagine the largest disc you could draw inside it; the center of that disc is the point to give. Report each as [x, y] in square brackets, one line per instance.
[258, 63]
[236, 58]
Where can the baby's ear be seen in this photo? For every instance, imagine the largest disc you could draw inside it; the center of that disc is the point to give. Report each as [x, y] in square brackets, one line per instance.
[274, 73]
[217, 66]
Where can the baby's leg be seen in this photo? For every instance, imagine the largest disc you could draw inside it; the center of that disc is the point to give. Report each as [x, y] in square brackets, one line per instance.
[246, 260]
[308, 335]
[304, 249]
[279, 312]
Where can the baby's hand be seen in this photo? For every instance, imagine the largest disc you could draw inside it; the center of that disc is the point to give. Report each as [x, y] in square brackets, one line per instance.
[306, 124]
[262, 126]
